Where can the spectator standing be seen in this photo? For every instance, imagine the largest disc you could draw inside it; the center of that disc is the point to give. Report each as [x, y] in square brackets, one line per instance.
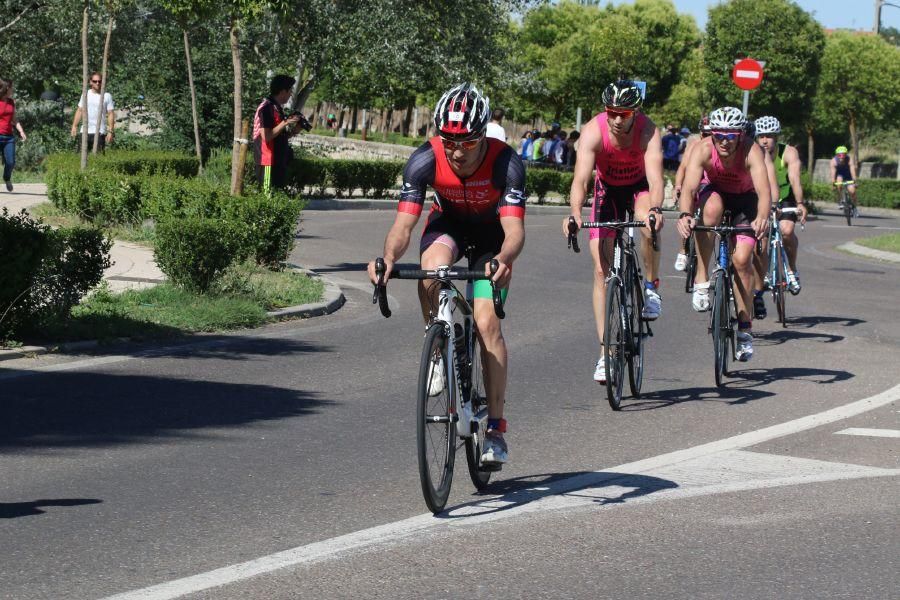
[8, 127]
[525, 146]
[107, 126]
[271, 131]
[685, 134]
[494, 128]
[571, 143]
[560, 150]
[671, 144]
[537, 148]
[549, 146]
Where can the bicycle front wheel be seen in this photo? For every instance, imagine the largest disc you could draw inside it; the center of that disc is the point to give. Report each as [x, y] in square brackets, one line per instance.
[848, 209]
[614, 342]
[720, 326]
[637, 329]
[477, 396]
[690, 271]
[436, 415]
[779, 285]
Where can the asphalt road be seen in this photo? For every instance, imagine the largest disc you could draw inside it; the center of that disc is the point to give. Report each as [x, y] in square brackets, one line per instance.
[280, 462]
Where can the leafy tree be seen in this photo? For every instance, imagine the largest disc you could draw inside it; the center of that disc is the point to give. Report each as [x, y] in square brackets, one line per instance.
[687, 102]
[778, 32]
[860, 83]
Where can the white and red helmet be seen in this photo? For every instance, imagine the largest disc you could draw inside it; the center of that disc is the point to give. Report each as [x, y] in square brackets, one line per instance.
[462, 113]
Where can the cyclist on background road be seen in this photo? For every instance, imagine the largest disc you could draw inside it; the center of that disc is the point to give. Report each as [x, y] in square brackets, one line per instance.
[787, 165]
[479, 199]
[738, 181]
[624, 146]
[843, 169]
[700, 300]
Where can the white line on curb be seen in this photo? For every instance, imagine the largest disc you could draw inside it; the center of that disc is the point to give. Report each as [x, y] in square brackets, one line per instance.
[549, 497]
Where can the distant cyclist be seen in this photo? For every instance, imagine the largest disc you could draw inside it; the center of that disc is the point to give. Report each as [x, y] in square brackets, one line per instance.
[479, 199]
[790, 191]
[738, 181]
[843, 169]
[624, 147]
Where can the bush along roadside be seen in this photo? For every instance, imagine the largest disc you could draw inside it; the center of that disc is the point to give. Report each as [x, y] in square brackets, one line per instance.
[45, 272]
[879, 193]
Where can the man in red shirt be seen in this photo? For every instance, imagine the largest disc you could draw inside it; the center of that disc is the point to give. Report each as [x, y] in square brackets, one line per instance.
[8, 126]
[271, 132]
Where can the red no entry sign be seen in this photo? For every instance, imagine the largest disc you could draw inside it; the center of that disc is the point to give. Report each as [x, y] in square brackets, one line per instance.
[747, 74]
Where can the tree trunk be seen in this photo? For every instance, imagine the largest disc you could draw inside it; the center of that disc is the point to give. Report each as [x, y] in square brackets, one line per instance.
[353, 118]
[810, 154]
[190, 70]
[101, 114]
[387, 128]
[854, 140]
[84, 84]
[237, 169]
[404, 128]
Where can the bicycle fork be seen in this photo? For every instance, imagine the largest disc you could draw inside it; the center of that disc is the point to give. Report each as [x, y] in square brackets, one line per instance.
[461, 411]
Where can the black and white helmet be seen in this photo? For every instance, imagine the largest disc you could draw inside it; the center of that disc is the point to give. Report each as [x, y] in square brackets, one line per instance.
[622, 94]
[767, 126]
[462, 113]
[727, 118]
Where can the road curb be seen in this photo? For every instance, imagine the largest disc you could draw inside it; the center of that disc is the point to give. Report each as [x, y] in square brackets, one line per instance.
[332, 301]
[854, 248]
[323, 204]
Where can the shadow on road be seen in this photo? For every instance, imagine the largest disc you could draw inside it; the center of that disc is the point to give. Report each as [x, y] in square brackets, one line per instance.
[759, 377]
[81, 409]
[600, 487]
[14, 510]
[345, 267]
[780, 336]
[812, 321]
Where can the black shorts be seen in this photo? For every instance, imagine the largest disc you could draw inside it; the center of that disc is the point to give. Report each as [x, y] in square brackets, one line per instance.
[789, 202]
[743, 207]
[486, 238]
[612, 202]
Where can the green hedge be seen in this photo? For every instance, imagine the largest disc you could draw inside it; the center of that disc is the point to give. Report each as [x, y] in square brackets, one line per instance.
[882, 193]
[194, 252]
[45, 272]
[344, 175]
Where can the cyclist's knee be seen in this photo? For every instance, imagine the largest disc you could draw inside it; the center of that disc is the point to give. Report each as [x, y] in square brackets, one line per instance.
[489, 326]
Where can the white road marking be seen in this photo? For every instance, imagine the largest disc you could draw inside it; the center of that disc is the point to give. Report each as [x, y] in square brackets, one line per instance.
[712, 468]
[887, 433]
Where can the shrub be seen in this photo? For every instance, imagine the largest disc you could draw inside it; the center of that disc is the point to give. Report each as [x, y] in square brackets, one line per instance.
[539, 181]
[564, 184]
[265, 225]
[194, 252]
[344, 175]
[308, 172]
[883, 193]
[378, 176]
[45, 273]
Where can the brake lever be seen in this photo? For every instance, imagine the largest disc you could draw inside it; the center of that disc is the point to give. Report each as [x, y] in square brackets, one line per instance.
[380, 294]
[653, 239]
[496, 293]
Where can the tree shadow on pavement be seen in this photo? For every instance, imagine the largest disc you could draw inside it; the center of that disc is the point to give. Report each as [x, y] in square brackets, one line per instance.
[14, 510]
[81, 409]
[600, 487]
[344, 267]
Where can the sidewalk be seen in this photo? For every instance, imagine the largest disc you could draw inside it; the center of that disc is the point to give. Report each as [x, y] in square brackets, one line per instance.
[133, 266]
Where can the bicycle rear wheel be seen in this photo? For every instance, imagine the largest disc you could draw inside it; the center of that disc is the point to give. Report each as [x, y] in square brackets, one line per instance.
[637, 328]
[720, 324]
[436, 427]
[614, 342]
[690, 271]
[477, 395]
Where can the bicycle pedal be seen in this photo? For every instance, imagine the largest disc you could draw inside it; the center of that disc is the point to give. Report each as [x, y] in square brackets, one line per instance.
[491, 467]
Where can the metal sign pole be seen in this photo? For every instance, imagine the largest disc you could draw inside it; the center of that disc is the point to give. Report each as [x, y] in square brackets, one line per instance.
[746, 101]
[578, 119]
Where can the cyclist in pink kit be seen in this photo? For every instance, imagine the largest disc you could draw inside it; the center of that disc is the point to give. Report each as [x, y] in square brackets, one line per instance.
[624, 146]
[739, 182]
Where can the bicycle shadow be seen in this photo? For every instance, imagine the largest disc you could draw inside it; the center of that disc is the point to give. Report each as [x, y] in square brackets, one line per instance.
[761, 377]
[812, 321]
[664, 398]
[599, 487]
[14, 510]
[780, 336]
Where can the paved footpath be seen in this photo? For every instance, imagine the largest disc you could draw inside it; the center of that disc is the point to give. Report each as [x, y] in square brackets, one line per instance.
[133, 265]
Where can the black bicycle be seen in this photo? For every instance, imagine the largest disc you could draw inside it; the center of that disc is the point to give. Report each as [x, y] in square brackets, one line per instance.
[690, 268]
[625, 329]
[451, 399]
[723, 307]
[844, 202]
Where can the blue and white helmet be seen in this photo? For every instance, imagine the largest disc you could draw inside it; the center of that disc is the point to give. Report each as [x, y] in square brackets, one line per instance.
[727, 118]
[767, 126]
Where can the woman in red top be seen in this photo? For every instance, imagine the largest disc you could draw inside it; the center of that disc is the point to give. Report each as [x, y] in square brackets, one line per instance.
[8, 124]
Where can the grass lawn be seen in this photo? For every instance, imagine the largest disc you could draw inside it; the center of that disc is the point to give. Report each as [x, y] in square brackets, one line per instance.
[889, 242]
[55, 217]
[27, 177]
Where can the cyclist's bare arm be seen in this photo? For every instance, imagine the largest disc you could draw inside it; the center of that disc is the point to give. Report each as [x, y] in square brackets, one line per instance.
[852, 169]
[682, 166]
[756, 164]
[653, 168]
[774, 189]
[792, 160]
[833, 169]
[513, 242]
[589, 144]
[396, 243]
[692, 175]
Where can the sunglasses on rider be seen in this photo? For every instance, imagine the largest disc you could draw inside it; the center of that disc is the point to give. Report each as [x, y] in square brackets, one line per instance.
[614, 113]
[720, 136]
[467, 145]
